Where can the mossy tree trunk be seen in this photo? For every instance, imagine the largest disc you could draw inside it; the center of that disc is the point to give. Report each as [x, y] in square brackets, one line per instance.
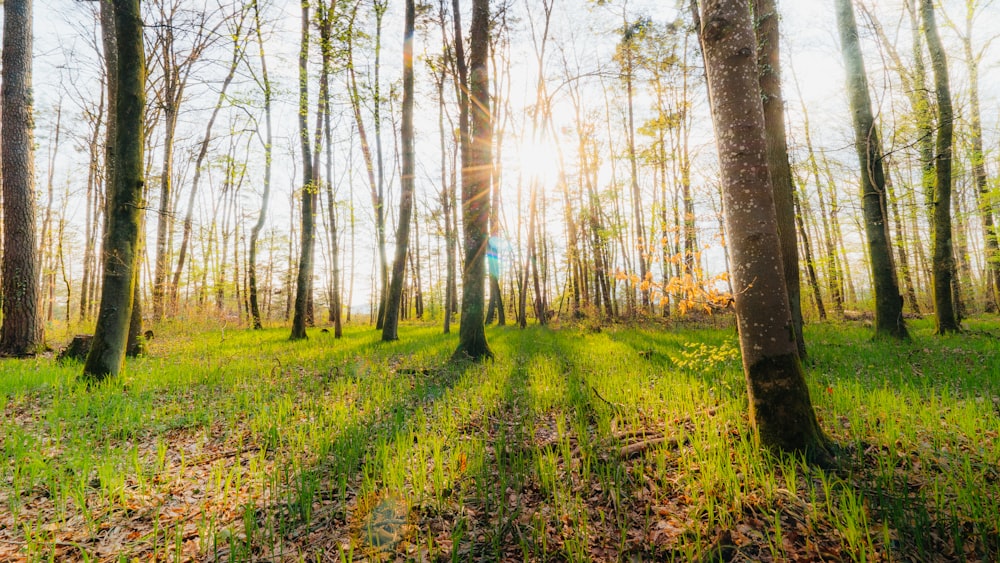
[780, 406]
[984, 199]
[943, 259]
[120, 256]
[888, 302]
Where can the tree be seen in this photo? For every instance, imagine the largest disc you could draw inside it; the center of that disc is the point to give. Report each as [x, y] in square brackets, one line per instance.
[265, 84]
[176, 69]
[983, 197]
[21, 333]
[476, 159]
[943, 257]
[235, 32]
[120, 259]
[780, 406]
[769, 63]
[390, 326]
[302, 285]
[888, 302]
[631, 32]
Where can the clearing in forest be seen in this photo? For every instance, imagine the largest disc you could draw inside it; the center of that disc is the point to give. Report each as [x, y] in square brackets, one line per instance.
[622, 444]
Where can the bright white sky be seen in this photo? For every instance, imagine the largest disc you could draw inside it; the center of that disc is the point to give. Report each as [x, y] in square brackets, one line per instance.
[66, 62]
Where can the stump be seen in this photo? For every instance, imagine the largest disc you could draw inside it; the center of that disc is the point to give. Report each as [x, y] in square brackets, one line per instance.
[77, 349]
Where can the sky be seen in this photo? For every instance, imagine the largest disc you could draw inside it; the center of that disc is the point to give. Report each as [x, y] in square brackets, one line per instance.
[66, 64]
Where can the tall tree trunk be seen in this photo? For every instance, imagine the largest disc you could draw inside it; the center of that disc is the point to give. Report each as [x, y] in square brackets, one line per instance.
[769, 63]
[335, 299]
[46, 254]
[779, 397]
[984, 201]
[445, 194]
[807, 250]
[107, 352]
[476, 160]
[629, 31]
[265, 82]
[888, 302]
[943, 259]
[200, 159]
[390, 327]
[832, 262]
[302, 280]
[21, 333]
[900, 244]
[373, 163]
[380, 7]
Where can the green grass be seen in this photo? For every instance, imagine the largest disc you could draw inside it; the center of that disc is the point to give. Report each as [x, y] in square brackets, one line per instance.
[574, 445]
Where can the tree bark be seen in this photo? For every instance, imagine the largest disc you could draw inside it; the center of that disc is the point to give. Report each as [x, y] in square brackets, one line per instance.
[769, 64]
[476, 187]
[120, 257]
[390, 326]
[779, 398]
[265, 82]
[888, 302]
[21, 333]
[984, 200]
[302, 280]
[943, 255]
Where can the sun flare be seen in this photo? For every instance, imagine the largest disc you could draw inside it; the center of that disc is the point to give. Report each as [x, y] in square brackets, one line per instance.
[538, 160]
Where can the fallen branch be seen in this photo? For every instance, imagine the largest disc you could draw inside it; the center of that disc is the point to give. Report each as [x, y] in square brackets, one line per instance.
[636, 449]
[615, 407]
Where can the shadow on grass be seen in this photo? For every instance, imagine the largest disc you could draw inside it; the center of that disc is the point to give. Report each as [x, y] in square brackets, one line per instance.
[343, 500]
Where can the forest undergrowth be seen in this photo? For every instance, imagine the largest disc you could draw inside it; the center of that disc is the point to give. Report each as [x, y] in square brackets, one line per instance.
[622, 443]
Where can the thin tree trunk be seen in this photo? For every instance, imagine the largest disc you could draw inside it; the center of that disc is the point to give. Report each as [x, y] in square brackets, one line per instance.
[265, 83]
[769, 63]
[888, 302]
[199, 161]
[904, 260]
[302, 279]
[984, 199]
[390, 326]
[943, 259]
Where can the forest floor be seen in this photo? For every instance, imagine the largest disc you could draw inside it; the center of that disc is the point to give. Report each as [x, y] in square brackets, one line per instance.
[622, 443]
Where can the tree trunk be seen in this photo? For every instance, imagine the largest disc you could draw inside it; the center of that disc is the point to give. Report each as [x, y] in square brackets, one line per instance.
[888, 302]
[107, 353]
[629, 30]
[46, 251]
[200, 159]
[476, 160]
[984, 201]
[21, 333]
[904, 259]
[265, 82]
[302, 280]
[335, 298]
[807, 250]
[779, 398]
[390, 327]
[445, 194]
[943, 258]
[769, 63]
